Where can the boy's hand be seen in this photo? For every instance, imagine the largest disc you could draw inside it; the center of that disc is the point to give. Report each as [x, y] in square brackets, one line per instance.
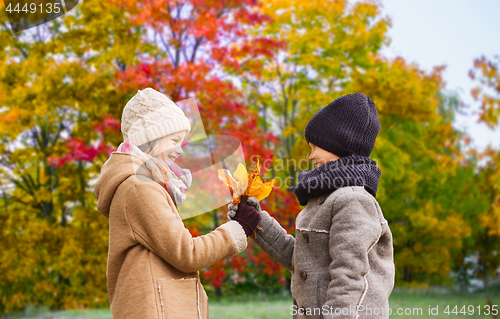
[254, 202]
[247, 215]
[232, 208]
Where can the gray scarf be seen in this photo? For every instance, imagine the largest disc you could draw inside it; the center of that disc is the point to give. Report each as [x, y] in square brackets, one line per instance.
[353, 170]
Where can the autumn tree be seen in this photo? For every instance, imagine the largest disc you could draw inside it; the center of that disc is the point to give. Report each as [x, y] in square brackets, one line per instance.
[486, 73]
[418, 150]
[486, 221]
[325, 40]
[56, 84]
[201, 49]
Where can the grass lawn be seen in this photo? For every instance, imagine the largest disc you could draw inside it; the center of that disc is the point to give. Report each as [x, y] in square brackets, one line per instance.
[415, 302]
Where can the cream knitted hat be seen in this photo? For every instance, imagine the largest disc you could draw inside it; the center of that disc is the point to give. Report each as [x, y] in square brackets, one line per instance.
[150, 115]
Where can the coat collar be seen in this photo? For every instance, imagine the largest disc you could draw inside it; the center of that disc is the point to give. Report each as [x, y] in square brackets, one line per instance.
[114, 171]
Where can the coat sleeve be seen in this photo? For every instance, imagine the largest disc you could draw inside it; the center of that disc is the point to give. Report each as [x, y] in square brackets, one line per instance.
[157, 227]
[275, 241]
[354, 231]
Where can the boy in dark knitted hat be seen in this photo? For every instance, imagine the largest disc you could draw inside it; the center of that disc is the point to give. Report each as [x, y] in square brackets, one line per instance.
[341, 258]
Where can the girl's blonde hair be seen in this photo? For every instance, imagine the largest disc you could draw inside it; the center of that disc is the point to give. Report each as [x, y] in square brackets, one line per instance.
[150, 148]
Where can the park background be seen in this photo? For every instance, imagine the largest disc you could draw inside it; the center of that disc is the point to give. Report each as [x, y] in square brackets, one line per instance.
[259, 71]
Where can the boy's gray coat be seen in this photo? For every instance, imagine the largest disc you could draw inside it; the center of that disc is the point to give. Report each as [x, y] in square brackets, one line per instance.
[341, 258]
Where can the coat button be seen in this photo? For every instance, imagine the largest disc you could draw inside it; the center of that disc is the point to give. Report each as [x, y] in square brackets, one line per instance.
[306, 237]
[321, 200]
[303, 275]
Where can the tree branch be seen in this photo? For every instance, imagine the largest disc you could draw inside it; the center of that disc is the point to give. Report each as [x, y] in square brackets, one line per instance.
[196, 45]
[61, 128]
[16, 43]
[162, 38]
[22, 186]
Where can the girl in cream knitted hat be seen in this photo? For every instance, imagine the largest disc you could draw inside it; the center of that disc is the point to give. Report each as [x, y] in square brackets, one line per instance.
[153, 260]
[153, 128]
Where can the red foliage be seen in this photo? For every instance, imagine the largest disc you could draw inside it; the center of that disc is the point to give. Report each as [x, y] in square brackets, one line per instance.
[215, 274]
[108, 123]
[78, 150]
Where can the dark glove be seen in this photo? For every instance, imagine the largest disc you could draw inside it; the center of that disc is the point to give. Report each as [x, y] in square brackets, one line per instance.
[247, 215]
[232, 208]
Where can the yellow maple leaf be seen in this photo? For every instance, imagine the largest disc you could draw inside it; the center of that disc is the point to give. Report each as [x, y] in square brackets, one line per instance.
[242, 183]
[259, 189]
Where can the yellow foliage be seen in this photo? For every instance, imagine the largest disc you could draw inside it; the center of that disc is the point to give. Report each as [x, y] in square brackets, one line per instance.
[52, 254]
[289, 130]
[491, 220]
[487, 73]
[43, 195]
[399, 88]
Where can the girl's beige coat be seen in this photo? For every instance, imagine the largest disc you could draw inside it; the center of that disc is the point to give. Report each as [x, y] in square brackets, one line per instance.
[153, 260]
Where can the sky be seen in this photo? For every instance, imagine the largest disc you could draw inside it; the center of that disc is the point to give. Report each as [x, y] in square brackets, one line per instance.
[451, 33]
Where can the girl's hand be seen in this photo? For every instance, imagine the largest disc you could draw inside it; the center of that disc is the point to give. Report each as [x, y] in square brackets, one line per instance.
[232, 211]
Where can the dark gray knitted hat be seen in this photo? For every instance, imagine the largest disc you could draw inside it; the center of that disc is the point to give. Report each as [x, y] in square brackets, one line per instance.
[347, 126]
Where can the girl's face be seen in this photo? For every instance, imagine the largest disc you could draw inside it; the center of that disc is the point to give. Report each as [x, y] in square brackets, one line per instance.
[170, 146]
[319, 156]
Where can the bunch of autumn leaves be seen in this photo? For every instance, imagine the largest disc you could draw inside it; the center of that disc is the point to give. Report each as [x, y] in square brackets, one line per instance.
[241, 183]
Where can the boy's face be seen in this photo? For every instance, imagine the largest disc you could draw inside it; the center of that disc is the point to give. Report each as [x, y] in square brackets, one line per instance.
[319, 156]
[170, 146]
